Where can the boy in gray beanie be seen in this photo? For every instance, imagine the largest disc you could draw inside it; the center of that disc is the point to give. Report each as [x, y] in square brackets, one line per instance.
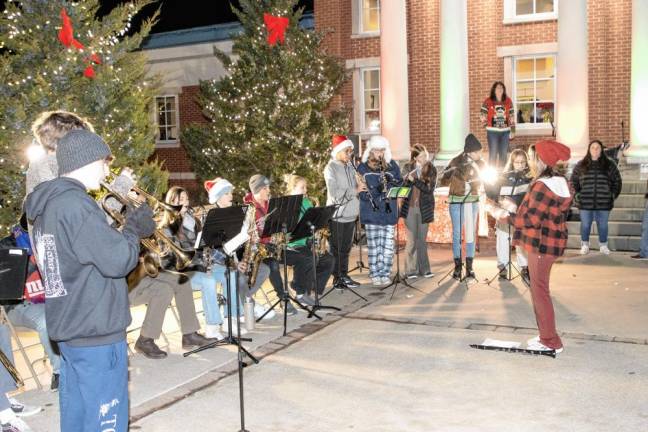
[84, 263]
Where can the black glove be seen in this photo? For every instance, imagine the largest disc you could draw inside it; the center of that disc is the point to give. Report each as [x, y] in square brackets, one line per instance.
[140, 221]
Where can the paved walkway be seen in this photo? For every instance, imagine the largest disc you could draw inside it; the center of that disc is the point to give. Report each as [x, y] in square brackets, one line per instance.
[405, 364]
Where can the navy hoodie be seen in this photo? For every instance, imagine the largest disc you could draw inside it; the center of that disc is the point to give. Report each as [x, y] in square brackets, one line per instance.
[83, 262]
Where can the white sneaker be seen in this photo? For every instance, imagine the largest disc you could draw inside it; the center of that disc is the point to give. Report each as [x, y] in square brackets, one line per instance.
[224, 327]
[22, 410]
[533, 340]
[386, 280]
[260, 310]
[213, 331]
[15, 425]
[539, 346]
[584, 249]
[604, 249]
[377, 281]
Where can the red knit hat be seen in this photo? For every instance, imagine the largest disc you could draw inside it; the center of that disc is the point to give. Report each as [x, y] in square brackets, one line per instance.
[339, 143]
[550, 152]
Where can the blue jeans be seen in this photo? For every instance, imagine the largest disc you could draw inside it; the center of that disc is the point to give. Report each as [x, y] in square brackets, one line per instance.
[601, 217]
[93, 392]
[218, 275]
[498, 146]
[7, 383]
[643, 246]
[32, 316]
[457, 218]
[206, 283]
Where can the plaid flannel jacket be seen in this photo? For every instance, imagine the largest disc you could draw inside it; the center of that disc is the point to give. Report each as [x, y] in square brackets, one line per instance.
[541, 221]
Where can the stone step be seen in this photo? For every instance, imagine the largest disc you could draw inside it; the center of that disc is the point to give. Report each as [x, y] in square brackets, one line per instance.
[635, 201]
[633, 187]
[615, 243]
[618, 215]
[631, 229]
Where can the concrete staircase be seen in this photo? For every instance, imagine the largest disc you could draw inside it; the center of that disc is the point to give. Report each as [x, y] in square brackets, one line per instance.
[624, 228]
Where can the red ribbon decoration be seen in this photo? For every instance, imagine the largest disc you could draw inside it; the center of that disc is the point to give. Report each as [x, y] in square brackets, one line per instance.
[66, 36]
[276, 28]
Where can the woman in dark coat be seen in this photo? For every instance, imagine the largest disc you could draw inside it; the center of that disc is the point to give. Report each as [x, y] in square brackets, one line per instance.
[418, 211]
[597, 183]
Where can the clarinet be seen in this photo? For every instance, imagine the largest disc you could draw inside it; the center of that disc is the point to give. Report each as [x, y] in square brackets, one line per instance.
[360, 178]
[383, 180]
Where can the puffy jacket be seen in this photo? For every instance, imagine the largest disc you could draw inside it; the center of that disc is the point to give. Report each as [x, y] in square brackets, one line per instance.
[460, 171]
[426, 195]
[596, 186]
[377, 193]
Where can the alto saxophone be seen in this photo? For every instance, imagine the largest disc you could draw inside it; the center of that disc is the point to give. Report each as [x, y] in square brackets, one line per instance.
[254, 251]
[321, 241]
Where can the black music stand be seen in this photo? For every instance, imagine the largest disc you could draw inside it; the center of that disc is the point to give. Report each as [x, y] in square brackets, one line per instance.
[221, 226]
[13, 273]
[283, 215]
[314, 219]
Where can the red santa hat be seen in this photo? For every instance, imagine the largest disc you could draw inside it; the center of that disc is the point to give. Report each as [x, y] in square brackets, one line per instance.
[550, 152]
[377, 142]
[217, 188]
[340, 143]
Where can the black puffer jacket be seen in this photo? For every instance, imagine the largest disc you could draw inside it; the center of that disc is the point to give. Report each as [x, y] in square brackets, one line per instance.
[426, 195]
[596, 185]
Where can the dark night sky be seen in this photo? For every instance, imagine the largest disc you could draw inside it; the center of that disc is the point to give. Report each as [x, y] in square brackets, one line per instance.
[181, 14]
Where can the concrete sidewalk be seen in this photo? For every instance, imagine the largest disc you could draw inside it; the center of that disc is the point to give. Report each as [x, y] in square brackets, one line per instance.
[405, 364]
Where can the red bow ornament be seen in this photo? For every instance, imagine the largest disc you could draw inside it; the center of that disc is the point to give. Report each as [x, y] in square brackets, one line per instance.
[66, 36]
[276, 28]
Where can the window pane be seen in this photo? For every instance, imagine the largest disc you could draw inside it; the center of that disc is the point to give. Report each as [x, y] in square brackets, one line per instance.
[545, 90]
[544, 67]
[163, 135]
[372, 100]
[372, 79]
[170, 104]
[524, 92]
[524, 69]
[545, 112]
[524, 113]
[172, 133]
[370, 15]
[372, 120]
[523, 7]
[160, 104]
[543, 6]
[161, 118]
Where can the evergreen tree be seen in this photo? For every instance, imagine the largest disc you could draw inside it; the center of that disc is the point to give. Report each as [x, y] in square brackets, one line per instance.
[39, 73]
[270, 114]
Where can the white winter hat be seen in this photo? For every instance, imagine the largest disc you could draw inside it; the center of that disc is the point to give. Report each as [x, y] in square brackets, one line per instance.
[217, 188]
[377, 142]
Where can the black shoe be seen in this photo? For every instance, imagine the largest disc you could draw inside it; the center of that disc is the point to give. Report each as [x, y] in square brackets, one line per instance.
[148, 347]
[428, 274]
[469, 268]
[503, 274]
[412, 276]
[55, 382]
[339, 284]
[639, 257]
[194, 340]
[350, 283]
[305, 300]
[290, 309]
[457, 270]
[526, 277]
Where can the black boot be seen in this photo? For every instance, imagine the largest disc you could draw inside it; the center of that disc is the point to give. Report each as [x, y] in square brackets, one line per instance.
[469, 268]
[148, 347]
[526, 277]
[457, 270]
[503, 274]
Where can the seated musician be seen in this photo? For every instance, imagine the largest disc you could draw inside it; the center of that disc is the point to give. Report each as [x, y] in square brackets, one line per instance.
[158, 293]
[296, 185]
[259, 196]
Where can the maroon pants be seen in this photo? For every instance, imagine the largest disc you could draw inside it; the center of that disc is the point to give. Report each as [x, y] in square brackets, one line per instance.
[540, 270]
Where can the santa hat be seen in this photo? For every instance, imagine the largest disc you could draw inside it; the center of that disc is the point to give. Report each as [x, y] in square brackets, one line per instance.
[340, 143]
[377, 142]
[217, 188]
[550, 152]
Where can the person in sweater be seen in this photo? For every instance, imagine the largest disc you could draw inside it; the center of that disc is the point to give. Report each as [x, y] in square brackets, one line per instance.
[296, 185]
[508, 193]
[378, 212]
[597, 183]
[497, 115]
[84, 263]
[463, 176]
[418, 211]
[541, 230]
[643, 244]
[342, 190]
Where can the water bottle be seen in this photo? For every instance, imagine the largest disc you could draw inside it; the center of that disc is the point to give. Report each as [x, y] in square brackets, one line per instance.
[248, 313]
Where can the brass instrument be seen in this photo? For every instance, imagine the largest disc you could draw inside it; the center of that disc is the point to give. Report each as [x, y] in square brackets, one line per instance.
[11, 369]
[158, 246]
[321, 240]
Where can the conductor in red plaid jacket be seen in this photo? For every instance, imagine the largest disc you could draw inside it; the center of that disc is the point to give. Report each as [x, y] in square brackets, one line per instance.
[541, 229]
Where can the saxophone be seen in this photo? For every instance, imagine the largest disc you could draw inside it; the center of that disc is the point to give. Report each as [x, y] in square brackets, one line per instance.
[321, 241]
[255, 252]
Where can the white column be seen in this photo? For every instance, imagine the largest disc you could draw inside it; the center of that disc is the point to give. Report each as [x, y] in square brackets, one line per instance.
[455, 102]
[638, 152]
[394, 91]
[572, 119]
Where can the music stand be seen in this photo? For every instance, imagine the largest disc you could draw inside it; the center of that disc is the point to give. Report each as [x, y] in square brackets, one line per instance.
[13, 273]
[313, 220]
[225, 225]
[283, 217]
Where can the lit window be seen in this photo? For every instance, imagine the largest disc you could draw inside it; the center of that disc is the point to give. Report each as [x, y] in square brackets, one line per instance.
[534, 94]
[166, 115]
[370, 84]
[527, 7]
[516, 11]
[370, 17]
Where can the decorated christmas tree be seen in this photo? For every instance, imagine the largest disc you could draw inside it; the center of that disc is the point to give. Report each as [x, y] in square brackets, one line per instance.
[270, 114]
[60, 55]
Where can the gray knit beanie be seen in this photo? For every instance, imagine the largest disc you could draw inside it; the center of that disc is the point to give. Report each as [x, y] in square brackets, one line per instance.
[258, 182]
[79, 148]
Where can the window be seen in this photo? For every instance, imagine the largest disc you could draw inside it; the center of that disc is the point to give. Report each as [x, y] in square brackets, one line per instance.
[370, 99]
[166, 115]
[516, 11]
[534, 93]
[370, 16]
